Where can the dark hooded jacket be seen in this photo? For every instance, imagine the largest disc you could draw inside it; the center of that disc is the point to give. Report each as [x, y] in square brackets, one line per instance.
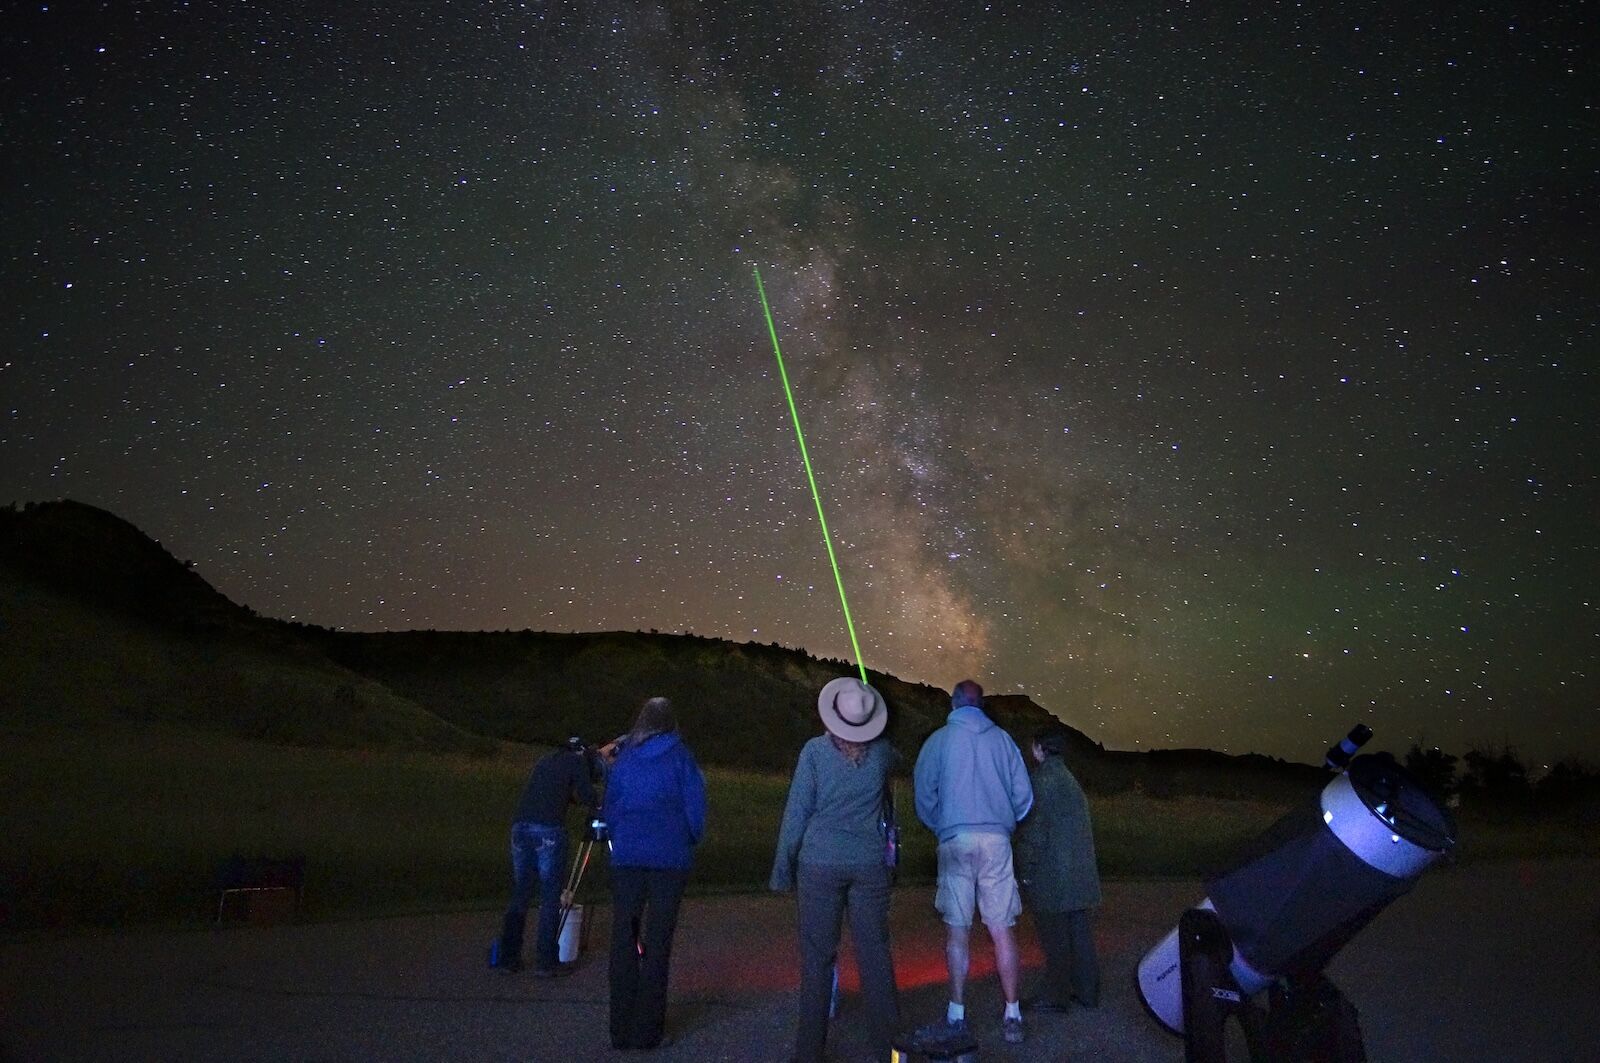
[1055, 845]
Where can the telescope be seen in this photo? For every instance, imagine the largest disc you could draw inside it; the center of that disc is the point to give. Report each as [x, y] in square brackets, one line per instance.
[1273, 919]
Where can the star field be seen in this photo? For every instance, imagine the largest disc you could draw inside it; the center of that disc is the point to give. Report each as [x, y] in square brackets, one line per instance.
[1217, 377]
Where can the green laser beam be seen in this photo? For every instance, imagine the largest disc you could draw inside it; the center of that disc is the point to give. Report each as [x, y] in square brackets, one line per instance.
[794, 413]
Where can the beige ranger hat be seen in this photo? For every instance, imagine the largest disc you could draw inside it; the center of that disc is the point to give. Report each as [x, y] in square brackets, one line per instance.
[852, 710]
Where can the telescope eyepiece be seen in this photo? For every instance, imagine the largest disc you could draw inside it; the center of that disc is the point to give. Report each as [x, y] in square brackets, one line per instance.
[1338, 758]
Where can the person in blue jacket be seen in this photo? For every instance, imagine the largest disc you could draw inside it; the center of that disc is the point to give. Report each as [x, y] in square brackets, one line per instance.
[655, 810]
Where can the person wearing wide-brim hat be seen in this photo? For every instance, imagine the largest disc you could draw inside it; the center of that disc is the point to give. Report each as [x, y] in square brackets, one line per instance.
[831, 851]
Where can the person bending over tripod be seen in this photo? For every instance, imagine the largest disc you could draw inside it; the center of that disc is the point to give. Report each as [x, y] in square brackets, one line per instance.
[539, 854]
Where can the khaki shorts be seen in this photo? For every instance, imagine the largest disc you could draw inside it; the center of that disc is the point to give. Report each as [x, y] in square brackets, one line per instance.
[976, 869]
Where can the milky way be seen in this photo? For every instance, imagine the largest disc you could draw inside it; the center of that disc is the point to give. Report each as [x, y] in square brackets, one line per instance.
[1217, 378]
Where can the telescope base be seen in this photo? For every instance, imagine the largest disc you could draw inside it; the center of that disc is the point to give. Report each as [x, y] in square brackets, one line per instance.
[1306, 1019]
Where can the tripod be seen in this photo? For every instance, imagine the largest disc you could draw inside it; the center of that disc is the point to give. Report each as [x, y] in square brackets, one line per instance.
[592, 836]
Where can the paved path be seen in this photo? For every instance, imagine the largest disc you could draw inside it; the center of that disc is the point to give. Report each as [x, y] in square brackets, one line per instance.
[1489, 963]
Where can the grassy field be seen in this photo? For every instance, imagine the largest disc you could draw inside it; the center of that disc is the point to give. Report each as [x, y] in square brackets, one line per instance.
[117, 826]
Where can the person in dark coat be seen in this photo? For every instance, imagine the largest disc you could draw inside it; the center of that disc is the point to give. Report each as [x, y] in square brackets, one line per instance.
[539, 854]
[1056, 862]
[831, 850]
[655, 810]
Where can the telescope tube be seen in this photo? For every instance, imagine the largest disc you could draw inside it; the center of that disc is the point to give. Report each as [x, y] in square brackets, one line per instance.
[1312, 881]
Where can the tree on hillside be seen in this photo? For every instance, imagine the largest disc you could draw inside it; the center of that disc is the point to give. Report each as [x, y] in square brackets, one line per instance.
[1492, 774]
[1570, 780]
[1433, 768]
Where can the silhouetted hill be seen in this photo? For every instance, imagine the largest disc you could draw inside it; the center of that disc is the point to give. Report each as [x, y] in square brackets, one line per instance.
[101, 625]
[742, 704]
[99, 559]
[102, 622]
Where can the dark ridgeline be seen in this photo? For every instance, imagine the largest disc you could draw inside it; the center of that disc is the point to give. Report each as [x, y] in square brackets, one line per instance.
[104, 626]
[101, 560]
[105, 596]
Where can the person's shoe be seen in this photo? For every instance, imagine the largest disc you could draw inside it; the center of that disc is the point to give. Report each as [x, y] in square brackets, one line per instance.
[664, 1041]
[503, 961]
[1045, 1006]
[1011, 1030]
[939, 1032]
[560, 970]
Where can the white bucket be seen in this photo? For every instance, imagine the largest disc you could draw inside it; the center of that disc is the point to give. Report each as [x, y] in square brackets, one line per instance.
[567, 943]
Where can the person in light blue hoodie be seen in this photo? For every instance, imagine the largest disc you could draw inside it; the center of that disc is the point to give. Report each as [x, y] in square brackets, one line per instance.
[971, 789]
[655, 809]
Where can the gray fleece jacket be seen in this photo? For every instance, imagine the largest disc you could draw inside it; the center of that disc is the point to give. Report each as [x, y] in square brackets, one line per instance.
[832, 816]
[970, 778]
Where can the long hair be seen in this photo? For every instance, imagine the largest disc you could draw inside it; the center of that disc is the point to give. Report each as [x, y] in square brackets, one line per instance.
[854, 752]
[656, 717]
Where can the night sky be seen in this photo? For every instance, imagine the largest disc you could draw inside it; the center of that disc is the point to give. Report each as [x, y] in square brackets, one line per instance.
[1217, 375]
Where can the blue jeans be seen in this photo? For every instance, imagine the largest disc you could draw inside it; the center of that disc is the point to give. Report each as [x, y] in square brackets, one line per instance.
[538, 860]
